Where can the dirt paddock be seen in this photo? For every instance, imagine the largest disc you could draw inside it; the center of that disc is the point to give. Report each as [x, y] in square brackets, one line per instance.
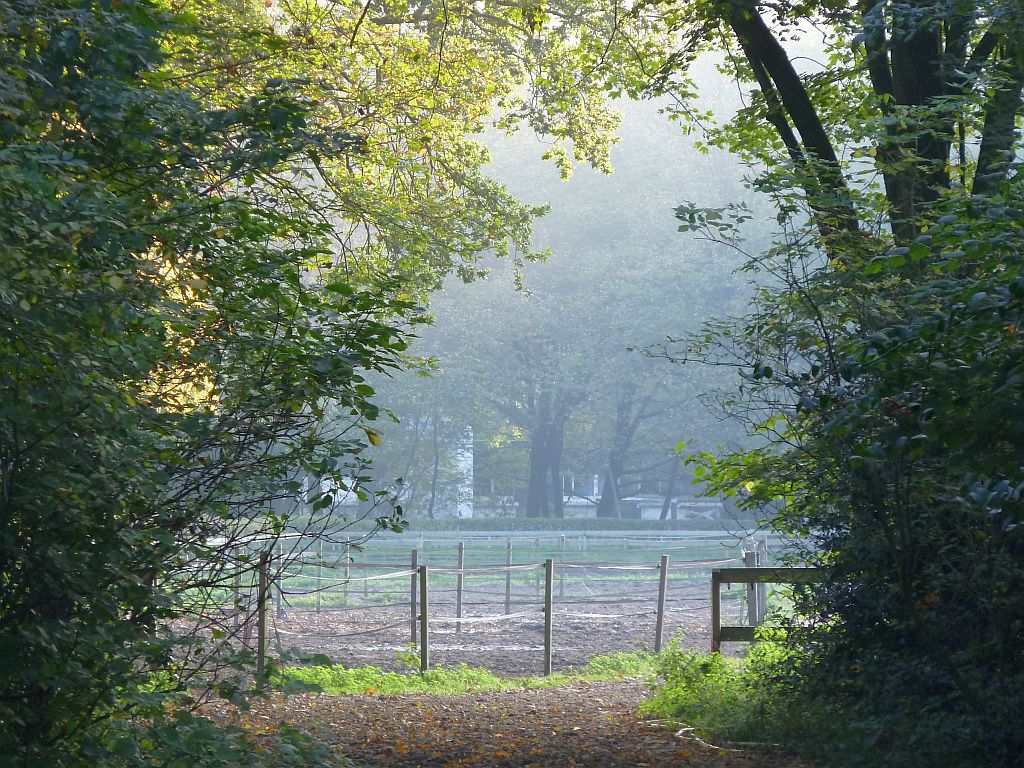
[513, 646]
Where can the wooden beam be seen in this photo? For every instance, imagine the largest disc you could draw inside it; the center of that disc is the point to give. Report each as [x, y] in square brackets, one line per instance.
[772, 575]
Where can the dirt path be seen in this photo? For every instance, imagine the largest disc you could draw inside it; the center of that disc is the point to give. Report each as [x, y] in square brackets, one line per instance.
[591, 725]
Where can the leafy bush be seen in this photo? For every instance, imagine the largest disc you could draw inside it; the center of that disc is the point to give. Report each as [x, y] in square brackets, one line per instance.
[721, 699]
[183, 740]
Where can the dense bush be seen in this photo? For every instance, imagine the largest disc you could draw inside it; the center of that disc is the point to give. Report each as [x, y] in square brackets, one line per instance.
[183, 740]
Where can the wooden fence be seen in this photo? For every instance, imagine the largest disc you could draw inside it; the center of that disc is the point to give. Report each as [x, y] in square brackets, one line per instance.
[751, 576]
[420, 596]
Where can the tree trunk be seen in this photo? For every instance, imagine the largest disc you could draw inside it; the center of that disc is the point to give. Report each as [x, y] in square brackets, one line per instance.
[433, 478]
[1000, 132]
[608, 505]
[630, 411]
[666, 504]
[556, 443]
[536, 493]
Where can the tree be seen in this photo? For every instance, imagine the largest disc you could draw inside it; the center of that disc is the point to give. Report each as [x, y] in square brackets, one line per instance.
[881, 357]
[541, 375]
[167, 354]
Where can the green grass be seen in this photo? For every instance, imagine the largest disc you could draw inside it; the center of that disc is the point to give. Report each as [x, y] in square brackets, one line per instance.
[340, 680]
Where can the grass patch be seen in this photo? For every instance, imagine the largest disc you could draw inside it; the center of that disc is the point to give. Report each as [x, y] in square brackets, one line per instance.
[740, 701]
[338, 680]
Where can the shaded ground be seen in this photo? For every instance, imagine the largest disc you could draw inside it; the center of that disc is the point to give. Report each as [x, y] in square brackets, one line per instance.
[587, 725]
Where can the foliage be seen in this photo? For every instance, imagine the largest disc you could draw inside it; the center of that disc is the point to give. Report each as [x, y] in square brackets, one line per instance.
[722, 699]
[882, 359]
[184, 740]
[339, 680]
[166, 359]
[752, 701]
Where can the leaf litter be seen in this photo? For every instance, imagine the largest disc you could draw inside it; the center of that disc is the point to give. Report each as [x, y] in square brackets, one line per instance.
[584, 725]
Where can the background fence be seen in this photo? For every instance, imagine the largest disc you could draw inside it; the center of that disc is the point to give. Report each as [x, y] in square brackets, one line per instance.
[487, 599]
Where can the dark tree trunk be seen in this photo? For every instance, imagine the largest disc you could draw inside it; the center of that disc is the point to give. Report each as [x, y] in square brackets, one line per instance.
[611, 492]
[666, 504]
[785, 92]
[1000, 129]
[630, 411]
[433, 477]
[536, 493]
[556, 442]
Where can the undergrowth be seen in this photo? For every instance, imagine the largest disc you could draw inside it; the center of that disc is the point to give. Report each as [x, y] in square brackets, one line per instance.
[722, 699]
[337, 679]
[754, 700]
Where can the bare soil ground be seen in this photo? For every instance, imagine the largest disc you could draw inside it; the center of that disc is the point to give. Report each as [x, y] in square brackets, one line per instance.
[506, 647]
[591, 725]
[585, 725]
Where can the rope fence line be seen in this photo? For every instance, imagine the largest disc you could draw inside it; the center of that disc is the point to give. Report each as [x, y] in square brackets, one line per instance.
[480, 619]
[378, 577]
[603, 615]
[373, 631]
[683, 565]
[309, 581]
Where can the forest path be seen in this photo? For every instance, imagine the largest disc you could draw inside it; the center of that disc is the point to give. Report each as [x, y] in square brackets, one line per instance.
[586, 725]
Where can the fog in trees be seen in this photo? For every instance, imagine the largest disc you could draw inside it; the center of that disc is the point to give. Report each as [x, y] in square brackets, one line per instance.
[547, 394]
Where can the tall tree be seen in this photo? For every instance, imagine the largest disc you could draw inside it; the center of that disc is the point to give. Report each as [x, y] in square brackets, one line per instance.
[881, 355]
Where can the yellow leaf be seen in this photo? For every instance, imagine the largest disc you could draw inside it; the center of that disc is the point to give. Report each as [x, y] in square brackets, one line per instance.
[372, 436]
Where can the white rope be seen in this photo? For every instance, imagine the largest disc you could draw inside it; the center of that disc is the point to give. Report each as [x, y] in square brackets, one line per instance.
[700, 563]
[483, 619]
[391, 575]
[487, 569]
[342, 634]
[603, 615]
[597, 567]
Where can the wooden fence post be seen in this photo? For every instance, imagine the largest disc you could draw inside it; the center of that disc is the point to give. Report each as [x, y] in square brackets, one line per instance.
[459, 582]
[319, 572]
[348, 570]
[412, 597]
[508, 576]
[762, 588]
[261, 617]
[561, 572]
[750, 561]
[237, 589]
[716, 611]
[659, 627]
[549, 573]
[424, 609]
